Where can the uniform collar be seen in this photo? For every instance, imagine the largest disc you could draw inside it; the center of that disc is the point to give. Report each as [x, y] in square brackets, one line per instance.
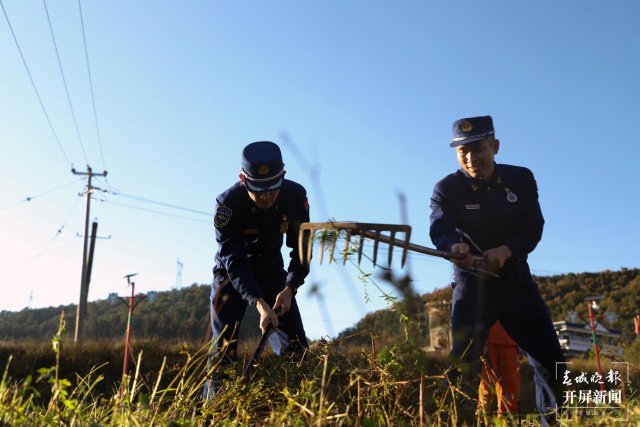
[475, 184]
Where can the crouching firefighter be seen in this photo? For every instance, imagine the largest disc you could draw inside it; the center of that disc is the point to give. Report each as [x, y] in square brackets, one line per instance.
[251, 219]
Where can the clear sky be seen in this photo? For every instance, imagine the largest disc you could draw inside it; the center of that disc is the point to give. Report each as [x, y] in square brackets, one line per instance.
[360, 95]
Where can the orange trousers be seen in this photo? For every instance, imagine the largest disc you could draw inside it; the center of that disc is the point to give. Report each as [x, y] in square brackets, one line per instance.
[501, 374]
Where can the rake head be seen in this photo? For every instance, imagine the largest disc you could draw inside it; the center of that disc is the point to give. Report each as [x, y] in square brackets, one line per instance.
[329, 232]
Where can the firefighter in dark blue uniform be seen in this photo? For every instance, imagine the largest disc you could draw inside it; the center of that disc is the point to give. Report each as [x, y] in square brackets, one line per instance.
[491, 212]
[251, 218]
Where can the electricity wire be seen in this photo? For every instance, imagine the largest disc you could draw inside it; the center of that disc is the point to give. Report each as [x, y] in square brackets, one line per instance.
[153, 211]
[108, 184]
[168, 205]
[64, 81]
[33, 84]
[30, 198]
[93, 99]
[314, 175]
[59, 231]
[116, 192]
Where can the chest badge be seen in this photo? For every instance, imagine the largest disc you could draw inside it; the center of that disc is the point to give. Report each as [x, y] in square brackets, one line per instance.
[473, 207]
[284, 225]
[511, 196]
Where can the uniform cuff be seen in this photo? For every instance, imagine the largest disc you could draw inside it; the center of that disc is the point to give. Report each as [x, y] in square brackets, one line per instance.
[292, 282]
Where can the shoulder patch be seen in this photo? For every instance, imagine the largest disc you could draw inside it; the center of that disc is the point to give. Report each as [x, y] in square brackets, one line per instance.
[222, 216]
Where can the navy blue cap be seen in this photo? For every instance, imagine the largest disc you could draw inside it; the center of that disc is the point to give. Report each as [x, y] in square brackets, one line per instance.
[471, 129]
[262, 166]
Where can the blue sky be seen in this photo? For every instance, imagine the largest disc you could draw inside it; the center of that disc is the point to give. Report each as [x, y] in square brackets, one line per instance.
[360, 95]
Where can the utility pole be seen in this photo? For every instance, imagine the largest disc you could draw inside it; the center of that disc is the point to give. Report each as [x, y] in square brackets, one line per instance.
[84, 282]
[92, 247]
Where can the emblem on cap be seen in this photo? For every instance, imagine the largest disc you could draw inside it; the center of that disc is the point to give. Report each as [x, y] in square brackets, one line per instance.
[263, 170]
[466, 126]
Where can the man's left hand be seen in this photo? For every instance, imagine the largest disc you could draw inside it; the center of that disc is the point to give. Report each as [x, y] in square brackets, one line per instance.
[496, 257]
[283, 301]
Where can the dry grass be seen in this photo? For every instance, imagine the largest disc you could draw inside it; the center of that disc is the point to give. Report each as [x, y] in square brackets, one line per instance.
[336, 384]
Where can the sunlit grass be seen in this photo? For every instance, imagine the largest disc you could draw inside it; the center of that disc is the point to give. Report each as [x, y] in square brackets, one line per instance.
[335, 384]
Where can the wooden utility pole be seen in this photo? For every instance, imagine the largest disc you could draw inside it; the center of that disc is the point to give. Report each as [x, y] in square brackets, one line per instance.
[81, 313]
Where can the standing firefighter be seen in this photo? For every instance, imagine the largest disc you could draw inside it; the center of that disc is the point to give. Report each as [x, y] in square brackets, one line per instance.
[491, 210]
[251, 218]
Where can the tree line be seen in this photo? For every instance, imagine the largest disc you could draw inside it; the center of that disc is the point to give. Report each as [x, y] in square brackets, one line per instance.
[562, 293]
[179, 314]
[183, 314]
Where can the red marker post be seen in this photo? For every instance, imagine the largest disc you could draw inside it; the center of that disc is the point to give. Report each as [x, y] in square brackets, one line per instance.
[131, 302]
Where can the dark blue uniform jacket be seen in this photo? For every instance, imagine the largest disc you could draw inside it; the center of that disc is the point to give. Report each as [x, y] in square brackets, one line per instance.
[503, 211]
[250, 239]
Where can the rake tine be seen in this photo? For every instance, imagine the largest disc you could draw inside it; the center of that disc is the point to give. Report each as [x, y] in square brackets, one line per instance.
[333, 246]
[310, 237]
[375, 247]
[360, 245]
[304, 258]
[405, 247]
[323, 236]
[392, 240]
[347, 240]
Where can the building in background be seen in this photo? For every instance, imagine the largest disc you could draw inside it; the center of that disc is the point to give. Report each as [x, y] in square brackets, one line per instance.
[576, 338]
[439, 315]
[575, 335]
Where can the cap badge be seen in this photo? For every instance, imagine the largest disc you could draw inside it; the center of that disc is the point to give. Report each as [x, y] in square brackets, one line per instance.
[466, 126]
[263, 170]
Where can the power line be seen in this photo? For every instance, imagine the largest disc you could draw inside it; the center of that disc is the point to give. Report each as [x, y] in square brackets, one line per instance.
[33, 84]
[169, 205]
[312, 171]
[153, 211]
[59, 231]
[314, 175]
[64, 81]
[108, 184]
[30, 198]
[116, 192]
[93, 99]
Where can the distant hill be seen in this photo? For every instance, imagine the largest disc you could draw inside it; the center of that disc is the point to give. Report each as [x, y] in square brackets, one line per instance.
[183, 314]
[180, 314]
[562, 293]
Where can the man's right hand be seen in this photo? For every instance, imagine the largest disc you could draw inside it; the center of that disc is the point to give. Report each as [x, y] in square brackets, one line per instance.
[267, 316]
[465, 259]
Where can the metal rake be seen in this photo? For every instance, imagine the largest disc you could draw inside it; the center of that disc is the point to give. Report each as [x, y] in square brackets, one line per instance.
[331, 231]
